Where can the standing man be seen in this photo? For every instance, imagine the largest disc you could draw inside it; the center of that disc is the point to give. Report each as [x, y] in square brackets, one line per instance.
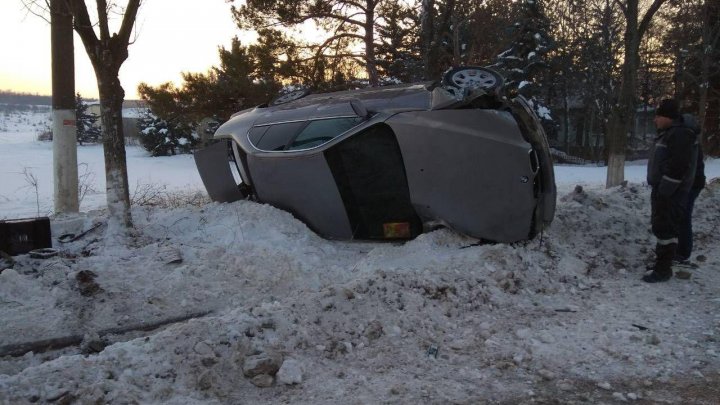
[671, 171]
[685, 237]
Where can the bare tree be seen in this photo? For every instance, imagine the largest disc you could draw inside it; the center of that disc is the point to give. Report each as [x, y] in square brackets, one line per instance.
[107, 52]
[622, 116]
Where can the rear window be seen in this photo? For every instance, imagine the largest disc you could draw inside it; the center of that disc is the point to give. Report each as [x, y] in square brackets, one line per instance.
[318, 132]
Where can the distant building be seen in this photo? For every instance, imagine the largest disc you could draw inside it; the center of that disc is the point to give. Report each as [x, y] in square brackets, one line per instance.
[131, 113]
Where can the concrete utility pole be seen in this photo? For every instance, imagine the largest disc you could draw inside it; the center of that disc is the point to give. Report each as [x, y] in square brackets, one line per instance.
[63, 103]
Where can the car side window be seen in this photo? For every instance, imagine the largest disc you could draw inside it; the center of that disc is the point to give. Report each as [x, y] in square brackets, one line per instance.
[318, 132]
[256, 133]
[274, 137]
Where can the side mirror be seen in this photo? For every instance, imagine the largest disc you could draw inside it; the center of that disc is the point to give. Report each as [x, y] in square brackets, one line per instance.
[359, 108]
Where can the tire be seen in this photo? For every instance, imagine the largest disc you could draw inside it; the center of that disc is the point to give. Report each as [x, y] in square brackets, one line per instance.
[472, 77]
[288, 97]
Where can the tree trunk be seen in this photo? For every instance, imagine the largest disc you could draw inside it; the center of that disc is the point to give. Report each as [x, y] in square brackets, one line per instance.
[116, 178]
[589, 125]
[712, 127]
[370, 61]
[566, 118]
[623, 112]
[426, 35]
[456, 39]
[598, 151]
[709, 113]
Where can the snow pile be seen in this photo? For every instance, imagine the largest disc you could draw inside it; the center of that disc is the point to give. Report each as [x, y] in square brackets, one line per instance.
[241, 303]
[296, 318]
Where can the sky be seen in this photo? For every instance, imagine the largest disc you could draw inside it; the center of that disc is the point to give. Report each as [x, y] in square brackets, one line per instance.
[173, 36]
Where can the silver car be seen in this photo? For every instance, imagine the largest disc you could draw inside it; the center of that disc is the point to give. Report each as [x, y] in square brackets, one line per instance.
[392, 162]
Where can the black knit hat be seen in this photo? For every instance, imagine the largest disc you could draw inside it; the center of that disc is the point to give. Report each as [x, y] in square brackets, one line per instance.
[668, 108]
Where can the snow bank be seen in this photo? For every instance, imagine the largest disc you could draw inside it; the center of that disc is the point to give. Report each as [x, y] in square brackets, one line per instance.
[356, 320]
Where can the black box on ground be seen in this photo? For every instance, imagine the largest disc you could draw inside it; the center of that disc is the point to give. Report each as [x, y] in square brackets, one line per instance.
[18, 236]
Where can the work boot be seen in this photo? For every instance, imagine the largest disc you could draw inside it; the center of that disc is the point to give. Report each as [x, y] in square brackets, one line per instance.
[662, 271]
[656, 277]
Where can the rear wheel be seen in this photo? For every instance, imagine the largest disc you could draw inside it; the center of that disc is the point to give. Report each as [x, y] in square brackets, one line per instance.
[473, 77]
[291, 96]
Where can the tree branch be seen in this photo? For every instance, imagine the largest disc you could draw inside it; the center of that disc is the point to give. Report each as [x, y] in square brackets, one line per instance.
[336, 17]
[339, 36]
[29, 4]
[621, 5]
[645, 23]
[128, 22]
[336, 56]
[84, 28]
[102, 10]
[356, 5]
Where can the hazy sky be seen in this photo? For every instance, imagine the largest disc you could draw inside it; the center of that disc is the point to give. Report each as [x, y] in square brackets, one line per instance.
[173, 36]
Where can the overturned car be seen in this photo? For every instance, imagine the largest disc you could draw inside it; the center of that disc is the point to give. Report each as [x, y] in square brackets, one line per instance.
[392, 162]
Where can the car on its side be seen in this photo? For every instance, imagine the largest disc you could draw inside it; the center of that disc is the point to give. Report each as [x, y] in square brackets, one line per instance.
[392, 162]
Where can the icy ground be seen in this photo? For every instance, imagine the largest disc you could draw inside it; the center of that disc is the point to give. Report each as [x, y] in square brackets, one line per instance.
[280, 315]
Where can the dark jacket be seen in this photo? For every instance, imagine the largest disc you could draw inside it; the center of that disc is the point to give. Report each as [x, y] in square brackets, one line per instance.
[673, 159]
[699, 181]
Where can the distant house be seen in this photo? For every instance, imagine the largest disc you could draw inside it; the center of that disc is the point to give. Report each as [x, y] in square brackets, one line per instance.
[132, 112]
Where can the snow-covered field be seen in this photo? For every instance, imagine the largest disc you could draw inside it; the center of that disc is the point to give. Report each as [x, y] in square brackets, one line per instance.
[22, 158]
[280, 315]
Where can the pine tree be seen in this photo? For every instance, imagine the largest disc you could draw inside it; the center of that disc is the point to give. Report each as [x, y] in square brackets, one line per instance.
[163, 138]
[399, 58]
[87, 129]
[523, 62]
[245, 78]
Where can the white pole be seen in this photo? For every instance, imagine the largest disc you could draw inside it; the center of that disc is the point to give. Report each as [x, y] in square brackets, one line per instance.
[65, 166]
[64, 129]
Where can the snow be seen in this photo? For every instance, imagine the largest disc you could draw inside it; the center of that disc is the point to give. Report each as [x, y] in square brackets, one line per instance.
[19, 150]
[543, 112]
[134, 112]
[439, 319]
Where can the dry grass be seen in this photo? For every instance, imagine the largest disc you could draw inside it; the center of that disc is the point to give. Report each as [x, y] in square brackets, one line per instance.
[156, 195]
